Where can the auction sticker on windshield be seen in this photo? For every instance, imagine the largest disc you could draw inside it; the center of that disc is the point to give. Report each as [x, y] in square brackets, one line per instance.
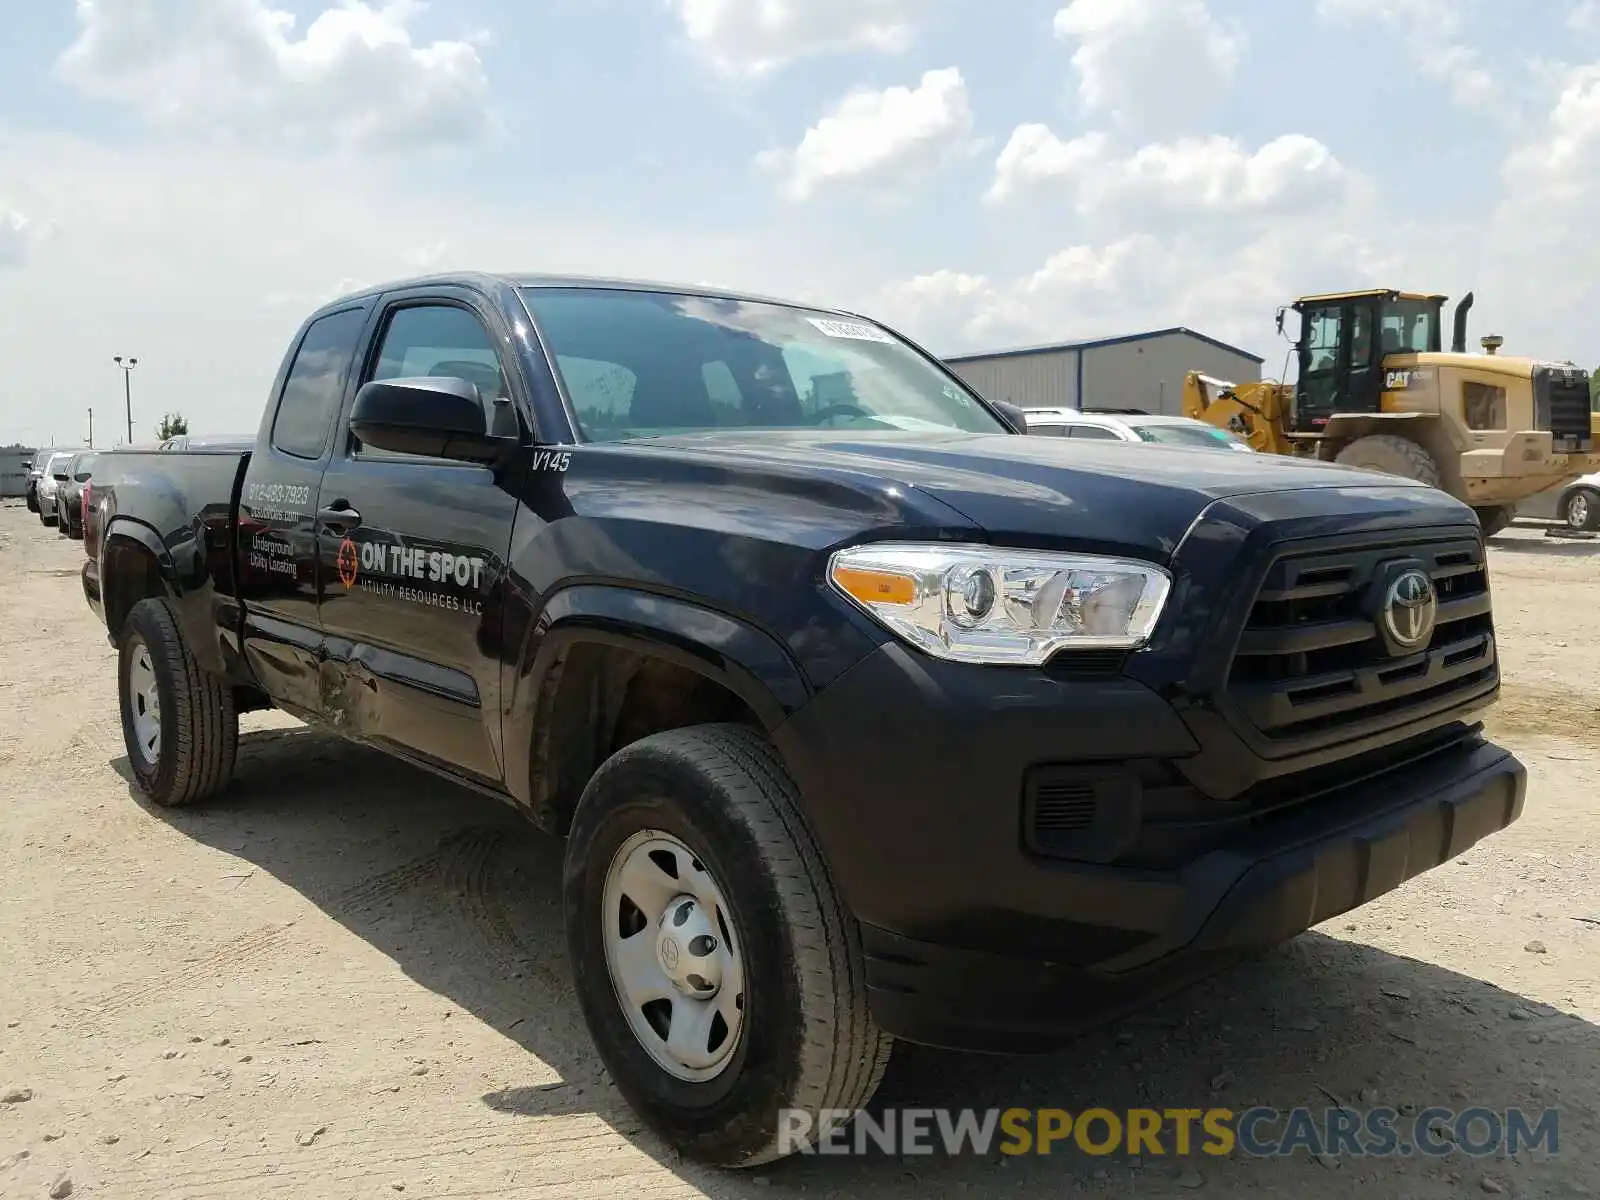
[854, 330]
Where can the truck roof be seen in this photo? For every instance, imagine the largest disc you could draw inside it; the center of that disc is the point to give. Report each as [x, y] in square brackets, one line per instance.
[525, 279]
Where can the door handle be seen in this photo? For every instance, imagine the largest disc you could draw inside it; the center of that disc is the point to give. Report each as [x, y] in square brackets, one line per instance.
[339, 516]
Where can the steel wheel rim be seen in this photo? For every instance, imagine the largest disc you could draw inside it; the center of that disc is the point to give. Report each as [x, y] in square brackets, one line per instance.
[1578, 511]
[674, 957]
[144, 702]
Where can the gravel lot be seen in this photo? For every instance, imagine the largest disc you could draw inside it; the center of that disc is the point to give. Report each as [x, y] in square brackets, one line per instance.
[348, 979]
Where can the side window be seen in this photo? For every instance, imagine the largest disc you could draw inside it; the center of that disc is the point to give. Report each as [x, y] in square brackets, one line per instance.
[1095, 431]
[1361, 339]
[1048, 430]
[437, 340]
[315, 386]
[1323, 341]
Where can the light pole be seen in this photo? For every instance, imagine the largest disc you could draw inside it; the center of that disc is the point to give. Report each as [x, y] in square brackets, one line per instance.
[91, 429]
[127, 366]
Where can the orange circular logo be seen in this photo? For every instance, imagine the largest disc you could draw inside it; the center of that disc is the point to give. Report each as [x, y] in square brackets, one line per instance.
[349, 560]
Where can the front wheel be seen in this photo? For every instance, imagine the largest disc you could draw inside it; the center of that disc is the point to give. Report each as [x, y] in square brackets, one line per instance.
[718, 973]
[1582, 510]
[179, 723]
[45, 518]
[33, 501]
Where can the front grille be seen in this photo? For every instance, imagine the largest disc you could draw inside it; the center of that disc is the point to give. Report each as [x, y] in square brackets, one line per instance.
[1312, 666]
[1561, 405]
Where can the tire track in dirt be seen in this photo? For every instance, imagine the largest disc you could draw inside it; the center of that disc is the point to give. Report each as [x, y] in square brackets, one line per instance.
[1538, 710]
[468, 869]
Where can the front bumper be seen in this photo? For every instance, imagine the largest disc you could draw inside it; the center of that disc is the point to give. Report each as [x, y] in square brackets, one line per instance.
[911, 772]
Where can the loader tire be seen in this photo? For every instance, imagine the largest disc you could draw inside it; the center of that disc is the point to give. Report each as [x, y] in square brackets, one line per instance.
[1495, 518]
[1391, 455]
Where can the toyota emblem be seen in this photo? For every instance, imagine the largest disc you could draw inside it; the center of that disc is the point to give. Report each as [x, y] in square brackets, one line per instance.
[1410, 609]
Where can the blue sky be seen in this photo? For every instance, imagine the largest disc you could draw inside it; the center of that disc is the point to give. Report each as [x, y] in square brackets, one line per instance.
[182, 179]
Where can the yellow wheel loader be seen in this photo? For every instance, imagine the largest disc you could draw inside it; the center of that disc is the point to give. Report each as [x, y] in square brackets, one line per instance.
[1375, 389]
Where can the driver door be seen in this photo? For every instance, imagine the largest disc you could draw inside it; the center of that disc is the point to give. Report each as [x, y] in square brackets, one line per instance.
[412, 549]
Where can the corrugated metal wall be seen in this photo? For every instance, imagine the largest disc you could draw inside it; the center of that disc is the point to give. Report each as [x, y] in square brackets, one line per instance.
[1048, 379]
[1149, 373]
[14, 472]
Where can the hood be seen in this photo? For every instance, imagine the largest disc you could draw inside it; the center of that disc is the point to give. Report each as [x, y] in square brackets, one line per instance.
[1116, 497]
[1510, 365]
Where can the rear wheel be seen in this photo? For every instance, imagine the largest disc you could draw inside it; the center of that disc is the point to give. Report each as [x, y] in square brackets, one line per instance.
[1495, 518]
[1393, 456]
[178, 720]
[33, 501]
[719, 974]
[1582, 510]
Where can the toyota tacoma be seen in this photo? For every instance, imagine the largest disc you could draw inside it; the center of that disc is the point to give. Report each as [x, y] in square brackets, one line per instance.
[864, 715]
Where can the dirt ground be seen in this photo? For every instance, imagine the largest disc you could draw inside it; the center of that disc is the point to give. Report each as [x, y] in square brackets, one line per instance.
[348, 979]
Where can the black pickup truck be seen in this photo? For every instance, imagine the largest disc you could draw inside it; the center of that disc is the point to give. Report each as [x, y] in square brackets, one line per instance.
[864, 715]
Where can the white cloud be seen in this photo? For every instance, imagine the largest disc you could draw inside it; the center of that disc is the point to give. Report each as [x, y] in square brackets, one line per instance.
[756, 37]
[194, 268]
[1192, 175]
[1562, 162]
[886, 138]
[1435, 32]
[1160, 64]
[1035, 155]
[356, 76]
[19, 234]
[1225, 286]
[1584, 16]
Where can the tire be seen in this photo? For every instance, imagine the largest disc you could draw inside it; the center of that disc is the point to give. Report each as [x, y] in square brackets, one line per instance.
[1582, 510]
[1393, 456]
[1495, 518]
[804, 1039]
[195, 721]
[46, 519]
[33, 501]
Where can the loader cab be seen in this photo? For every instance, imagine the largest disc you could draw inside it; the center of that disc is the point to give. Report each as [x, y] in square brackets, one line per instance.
[1344, 340]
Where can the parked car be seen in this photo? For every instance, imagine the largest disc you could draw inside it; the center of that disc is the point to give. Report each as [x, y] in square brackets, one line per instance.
[203, 441]
[71, 491]
[863, 716]
[1576, 504]
[56, 472]
[36, 472]
[1132, 426]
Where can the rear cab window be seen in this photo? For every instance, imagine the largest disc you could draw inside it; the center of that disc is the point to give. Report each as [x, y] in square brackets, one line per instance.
[315, 385]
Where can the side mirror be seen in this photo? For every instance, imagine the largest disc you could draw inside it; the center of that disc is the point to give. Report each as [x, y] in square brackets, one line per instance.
[1014, 416]
[436, 416]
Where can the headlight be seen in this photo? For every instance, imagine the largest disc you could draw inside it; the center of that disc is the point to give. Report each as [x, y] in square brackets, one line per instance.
[988, 604]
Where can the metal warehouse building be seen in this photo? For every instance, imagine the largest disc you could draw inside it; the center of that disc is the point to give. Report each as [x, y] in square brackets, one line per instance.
[1138, 370]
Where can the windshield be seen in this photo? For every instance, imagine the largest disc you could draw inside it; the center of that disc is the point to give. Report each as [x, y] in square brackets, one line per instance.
[1186, 435]
[644, 364]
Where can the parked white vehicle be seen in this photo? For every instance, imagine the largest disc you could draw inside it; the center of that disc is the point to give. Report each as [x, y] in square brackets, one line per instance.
[1132, 426]
[1575, 504]
[50, 481]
